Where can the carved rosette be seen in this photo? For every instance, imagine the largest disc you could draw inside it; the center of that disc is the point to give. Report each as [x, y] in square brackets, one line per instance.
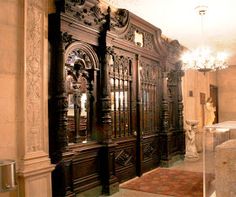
[34, 75]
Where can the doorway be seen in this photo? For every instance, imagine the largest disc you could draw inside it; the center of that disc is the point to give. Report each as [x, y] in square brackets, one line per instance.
[214, 96]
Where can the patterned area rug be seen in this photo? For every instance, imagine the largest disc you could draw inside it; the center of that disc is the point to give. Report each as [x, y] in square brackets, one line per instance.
[169, 182]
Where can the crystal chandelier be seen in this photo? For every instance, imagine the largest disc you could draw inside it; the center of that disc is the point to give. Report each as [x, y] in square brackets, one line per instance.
[203, 59]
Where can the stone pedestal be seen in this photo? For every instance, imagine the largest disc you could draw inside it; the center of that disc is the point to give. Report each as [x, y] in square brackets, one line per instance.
[216, 137]
[225, 169]
[199, 140]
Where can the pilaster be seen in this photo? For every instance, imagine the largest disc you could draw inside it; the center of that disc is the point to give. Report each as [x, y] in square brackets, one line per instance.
[33, 162]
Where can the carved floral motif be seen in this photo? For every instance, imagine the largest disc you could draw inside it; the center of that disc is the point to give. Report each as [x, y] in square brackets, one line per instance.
[121, 66]
[90, 16]
[34, 47]
[149, 72]
[93, 15]
[148, 38]
[80, 54]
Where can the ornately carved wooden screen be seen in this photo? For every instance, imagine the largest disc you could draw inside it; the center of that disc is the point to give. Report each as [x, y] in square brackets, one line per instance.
[121, 96]
[150, 85]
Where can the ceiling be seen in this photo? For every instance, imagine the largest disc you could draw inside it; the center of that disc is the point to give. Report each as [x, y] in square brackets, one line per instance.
[179, 20]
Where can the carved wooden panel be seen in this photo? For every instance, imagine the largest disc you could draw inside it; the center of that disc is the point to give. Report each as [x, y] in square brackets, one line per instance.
[172, 84]
[125, 159]
[148, 38]
[86, 170]
[121, 73]
[150, 96]
[151, 152]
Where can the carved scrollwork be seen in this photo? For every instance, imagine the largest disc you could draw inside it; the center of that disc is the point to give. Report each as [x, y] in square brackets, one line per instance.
[121, 18]
[121, 66]
[172, 78]
[81, 54]
[130, 34]
[148, 38]
[148, 41]
[149, 72]
[88, 15]
[110, 50]
[66, 38]
[82, 51]
[34, 75]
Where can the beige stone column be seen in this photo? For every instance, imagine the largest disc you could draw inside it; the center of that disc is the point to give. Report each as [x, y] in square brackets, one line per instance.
[34, 166]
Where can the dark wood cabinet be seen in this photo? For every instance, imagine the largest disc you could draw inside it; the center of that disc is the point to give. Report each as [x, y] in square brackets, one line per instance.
[115, 100]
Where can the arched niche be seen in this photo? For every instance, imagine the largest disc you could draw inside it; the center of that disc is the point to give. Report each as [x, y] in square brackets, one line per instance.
[81, 66]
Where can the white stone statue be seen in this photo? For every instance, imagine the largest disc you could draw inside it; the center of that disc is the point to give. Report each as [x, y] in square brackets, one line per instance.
[209, 111]
[191, 153]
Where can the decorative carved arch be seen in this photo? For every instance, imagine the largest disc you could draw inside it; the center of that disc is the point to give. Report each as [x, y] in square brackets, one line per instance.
[86, 49]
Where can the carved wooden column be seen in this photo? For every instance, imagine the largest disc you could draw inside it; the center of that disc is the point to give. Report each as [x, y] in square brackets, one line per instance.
[34, 166]
[105, 100]
[181, 134]
[139, 147]
[165, 134]
[165, 109]
[58, 103]
[90, 85]
[109, 181]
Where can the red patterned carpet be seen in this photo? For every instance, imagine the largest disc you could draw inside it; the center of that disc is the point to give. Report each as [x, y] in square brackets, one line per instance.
[169, 182]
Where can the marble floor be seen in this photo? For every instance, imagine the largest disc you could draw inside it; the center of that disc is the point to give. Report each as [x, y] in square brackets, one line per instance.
[193, 166]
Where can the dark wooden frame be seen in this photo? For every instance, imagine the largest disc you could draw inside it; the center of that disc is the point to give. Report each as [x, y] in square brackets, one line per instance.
[107, 160]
